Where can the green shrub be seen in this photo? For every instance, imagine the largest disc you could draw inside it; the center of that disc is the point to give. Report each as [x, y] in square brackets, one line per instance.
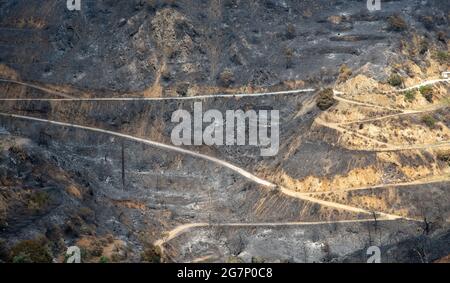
[445, 157]
[427, 92]
[151, 254]
[31, 251]
[226, 78]
[325, 99]
[430, 121]
[344, 73]
[428, 22]
[289, 55]
[104, 259]
[397, 23]
[257, 259]
[182, 90]
[291, 32]
[446, 101]
[234, 259]
[38, 200]
[395, 80]
[424, 46]
[22, 258]
[96, 249]
[443, 57]
[441, 36]
[410, 95]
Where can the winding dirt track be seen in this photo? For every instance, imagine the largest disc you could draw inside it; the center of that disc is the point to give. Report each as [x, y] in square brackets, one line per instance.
[228, 165]
[307, 197]
[151, 143]
[424, 181]
[425, 83]
[336, 94]
[349, 101]
[72, 98]
[386, 147]
[410, 112]
[48, 90]
[181, 229]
